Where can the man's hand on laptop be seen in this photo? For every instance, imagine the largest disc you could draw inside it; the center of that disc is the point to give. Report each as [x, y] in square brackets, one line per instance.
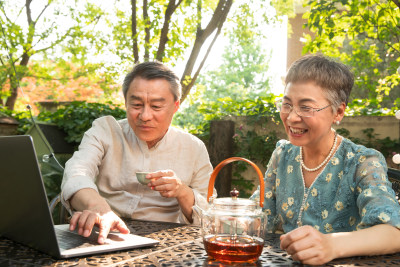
[94, 210]
[87, 219]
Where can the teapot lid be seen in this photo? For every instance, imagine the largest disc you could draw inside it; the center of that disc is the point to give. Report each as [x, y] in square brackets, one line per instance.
[234, 203]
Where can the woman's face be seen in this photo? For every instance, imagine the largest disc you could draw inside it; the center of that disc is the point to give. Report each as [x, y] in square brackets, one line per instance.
[308, 131]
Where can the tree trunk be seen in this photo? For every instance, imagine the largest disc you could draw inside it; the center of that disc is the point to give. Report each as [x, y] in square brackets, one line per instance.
[10, 103]
[221, 148]
[147, 32]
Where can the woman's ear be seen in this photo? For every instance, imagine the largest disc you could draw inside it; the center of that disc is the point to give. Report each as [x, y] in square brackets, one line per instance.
[340, 113]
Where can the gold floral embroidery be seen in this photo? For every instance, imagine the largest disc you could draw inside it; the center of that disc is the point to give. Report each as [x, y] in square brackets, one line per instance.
[360, 226]
[290, 201]
[367, 192]
[269, 175]
[383, 188]
[306, 206]
[324, 214]
[352, 220]
[383, 177]
[297, 158]
[289, 214]
[277, 182]
[363, 212]
[362, 159]
[285, 206]
[328, 228]
[339, 205]
[359, 189]
[364, 172]
[316, 227]
[335, 161]
[352, 189]
[314, 192]
[268, 194]
[340, 175]
[384, 217]
[275, 171]
[268, 212]
[289, 169]
[328, 177]
[350, 155]
[376, 164]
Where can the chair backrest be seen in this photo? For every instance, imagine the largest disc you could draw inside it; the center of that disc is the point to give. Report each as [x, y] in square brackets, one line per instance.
[394, 178]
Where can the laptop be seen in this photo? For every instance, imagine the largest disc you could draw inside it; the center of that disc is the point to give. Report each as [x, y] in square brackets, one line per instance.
[25, 214]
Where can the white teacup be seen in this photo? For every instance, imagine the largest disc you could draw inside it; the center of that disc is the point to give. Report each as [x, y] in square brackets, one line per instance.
[141, 177]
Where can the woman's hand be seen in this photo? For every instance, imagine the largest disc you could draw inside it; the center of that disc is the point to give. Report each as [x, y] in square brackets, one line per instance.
[308, 245]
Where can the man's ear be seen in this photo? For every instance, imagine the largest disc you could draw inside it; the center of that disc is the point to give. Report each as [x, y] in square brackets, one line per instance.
[177, 104]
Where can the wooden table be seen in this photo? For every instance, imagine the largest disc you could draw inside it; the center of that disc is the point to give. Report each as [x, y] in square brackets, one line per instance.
[180, 245]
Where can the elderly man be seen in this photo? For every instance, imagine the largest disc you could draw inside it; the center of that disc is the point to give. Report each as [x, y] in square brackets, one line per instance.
[99, 182]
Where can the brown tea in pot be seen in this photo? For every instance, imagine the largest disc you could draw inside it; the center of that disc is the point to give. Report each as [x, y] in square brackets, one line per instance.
[238, 249]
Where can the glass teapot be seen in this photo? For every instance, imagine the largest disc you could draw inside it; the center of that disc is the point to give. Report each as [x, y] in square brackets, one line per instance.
[233, 228]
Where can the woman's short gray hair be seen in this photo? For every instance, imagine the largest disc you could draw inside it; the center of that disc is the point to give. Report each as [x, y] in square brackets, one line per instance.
[153, 70]
[335, 78]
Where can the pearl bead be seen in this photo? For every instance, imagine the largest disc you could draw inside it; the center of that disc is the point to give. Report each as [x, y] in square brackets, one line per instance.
[398, 115]
[396, 159]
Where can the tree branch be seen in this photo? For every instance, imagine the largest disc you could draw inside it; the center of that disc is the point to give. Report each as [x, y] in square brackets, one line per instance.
[134, 32]
[193, 80]
[396, 2]
[165, 29]
[41, 12]
[56, 42]
[216, 22]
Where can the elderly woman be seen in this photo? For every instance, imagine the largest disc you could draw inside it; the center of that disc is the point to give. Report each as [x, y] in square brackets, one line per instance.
[330, 197]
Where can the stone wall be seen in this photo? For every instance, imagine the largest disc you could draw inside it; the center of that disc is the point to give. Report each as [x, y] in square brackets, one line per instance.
[8, 126]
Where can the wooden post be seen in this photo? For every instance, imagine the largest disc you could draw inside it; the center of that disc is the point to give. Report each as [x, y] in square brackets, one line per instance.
[220, 148]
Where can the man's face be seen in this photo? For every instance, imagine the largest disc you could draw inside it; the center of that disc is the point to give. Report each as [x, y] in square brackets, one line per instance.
[150, 107]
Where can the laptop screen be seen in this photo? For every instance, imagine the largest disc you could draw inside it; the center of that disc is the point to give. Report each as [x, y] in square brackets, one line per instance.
[26, 217]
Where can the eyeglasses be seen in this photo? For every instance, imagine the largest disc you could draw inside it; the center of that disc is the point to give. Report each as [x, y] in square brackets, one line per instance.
[302, 111]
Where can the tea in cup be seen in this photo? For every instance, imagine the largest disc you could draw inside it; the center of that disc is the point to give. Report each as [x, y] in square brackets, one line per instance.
[141, 177]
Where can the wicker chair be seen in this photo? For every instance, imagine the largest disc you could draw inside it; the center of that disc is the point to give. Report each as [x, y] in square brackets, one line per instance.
[63, 214]
[394, 178]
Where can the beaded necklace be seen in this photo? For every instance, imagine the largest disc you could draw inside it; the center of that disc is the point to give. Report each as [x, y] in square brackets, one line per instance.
[325, 160]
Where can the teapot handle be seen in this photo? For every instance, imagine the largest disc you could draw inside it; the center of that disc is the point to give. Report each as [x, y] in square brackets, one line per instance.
[227, 161]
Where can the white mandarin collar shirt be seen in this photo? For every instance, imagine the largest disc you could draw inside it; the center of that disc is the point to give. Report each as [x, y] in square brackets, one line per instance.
[109, 156]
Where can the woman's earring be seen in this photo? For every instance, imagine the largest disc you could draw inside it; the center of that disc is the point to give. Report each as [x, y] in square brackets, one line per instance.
[337, 122]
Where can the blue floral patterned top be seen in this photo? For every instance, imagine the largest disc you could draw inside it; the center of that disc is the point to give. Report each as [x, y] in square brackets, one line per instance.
[352, 192]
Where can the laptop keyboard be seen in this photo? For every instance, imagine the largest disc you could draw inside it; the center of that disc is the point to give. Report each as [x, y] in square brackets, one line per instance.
[68, 240]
